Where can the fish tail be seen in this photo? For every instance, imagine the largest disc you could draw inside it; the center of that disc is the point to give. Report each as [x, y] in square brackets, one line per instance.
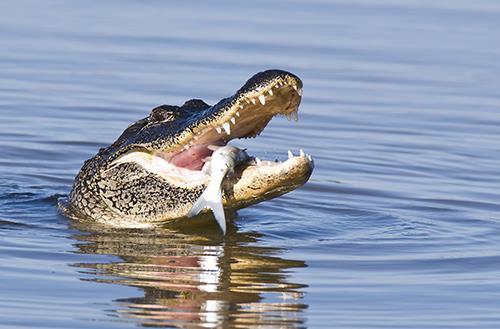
[211, 198]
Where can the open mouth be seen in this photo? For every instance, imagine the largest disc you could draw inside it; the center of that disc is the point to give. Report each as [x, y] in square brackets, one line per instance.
[244, 115]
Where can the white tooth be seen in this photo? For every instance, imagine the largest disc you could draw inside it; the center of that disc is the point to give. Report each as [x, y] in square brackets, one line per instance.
[290, 154]
[300, 92]
[270, 92]
[218, 130]
[295, 87]
[226, 127]
[237, 113]
[295, 116]
[309, 157]
[302, 153]
[258, 161]
[196, 137]
[241, 106]
[233, 120]
[253, 101]
[262, 99]
[288, 116]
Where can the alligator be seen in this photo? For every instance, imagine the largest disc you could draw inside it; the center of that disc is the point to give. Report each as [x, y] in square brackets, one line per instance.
[151, 174]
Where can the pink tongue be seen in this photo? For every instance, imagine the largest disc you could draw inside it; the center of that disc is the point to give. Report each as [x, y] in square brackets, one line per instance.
[192, 158]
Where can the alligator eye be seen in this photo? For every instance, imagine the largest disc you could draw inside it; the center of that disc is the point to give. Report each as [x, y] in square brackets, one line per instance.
[163, 113]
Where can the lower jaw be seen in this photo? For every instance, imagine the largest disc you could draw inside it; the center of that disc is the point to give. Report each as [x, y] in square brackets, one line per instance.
[255, 183]
[250, 184]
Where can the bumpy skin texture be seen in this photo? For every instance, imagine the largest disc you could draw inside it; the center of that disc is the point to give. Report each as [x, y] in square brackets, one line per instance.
[127, 195]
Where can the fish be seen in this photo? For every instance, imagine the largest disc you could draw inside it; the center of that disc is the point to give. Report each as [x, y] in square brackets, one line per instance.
[221, 164]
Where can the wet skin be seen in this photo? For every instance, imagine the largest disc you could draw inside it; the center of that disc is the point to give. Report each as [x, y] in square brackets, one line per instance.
[152, 173]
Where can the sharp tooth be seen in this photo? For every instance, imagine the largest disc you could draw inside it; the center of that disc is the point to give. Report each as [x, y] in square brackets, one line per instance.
[295, 87]
[233, 120]
[290, 154]
[309, 157]
[237, 113]
[300, 92]
[262, 99]
[288, 116]
[302, 154]
[258, 161]
[270, 92]
[241, 106]
[295, 116]
[218, 130]
[226, 128]
[253, 101]
[196, 138]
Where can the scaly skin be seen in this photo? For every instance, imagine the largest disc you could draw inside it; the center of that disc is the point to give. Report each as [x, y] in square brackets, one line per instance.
[125, 194]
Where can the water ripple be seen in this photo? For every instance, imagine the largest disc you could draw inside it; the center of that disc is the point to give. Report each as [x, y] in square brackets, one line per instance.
[397, 227]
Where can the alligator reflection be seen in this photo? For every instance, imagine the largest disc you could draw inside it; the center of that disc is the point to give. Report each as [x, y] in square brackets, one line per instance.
[194, 278]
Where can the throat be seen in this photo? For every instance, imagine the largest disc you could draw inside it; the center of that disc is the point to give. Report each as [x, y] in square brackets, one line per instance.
[192, 158]
[154, 163]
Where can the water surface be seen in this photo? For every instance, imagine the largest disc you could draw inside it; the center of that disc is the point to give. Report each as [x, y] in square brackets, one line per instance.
[399, 225]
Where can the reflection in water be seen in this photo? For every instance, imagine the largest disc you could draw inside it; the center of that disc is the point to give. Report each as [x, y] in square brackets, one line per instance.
[192, 277]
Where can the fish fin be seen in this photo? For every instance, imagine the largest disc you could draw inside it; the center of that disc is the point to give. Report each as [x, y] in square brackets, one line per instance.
[210, 198]
[218, 211]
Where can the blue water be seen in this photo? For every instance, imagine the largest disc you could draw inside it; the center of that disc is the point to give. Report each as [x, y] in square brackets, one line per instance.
[398, 227]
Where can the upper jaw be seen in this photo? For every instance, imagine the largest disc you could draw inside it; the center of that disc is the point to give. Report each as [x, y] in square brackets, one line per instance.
[246, 114]
[243, 115]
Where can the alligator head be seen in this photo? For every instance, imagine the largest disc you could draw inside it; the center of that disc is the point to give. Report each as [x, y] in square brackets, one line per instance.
[152, 173]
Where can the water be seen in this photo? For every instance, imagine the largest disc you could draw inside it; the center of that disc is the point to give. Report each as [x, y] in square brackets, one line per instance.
[399, 226]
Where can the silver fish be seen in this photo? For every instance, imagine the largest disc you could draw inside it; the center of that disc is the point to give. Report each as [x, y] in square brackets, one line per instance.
[222, 163]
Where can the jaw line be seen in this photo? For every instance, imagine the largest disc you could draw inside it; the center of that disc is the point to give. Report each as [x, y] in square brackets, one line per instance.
[245, 115]
[253, 183]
